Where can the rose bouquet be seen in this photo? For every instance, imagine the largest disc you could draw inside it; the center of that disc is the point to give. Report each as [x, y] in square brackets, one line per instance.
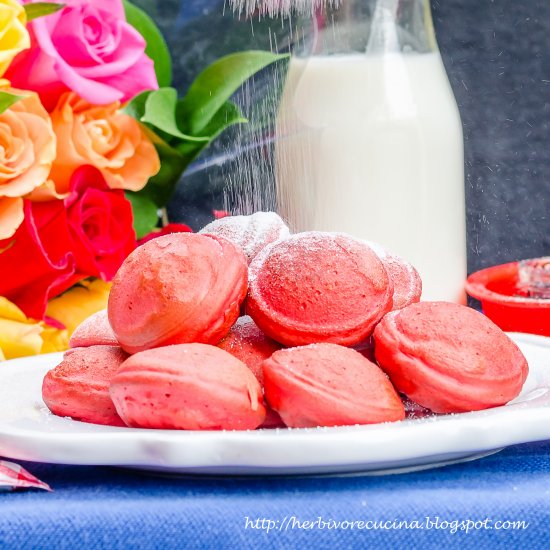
[92, 143]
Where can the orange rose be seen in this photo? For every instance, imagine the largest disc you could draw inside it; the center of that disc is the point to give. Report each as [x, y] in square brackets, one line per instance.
[104, 137]
[11, 216]
[27, 150]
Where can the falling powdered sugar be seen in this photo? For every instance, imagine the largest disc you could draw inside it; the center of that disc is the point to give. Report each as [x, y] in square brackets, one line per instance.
[275, 8]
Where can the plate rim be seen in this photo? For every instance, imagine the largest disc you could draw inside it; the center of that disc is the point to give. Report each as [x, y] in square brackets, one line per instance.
[489, 437]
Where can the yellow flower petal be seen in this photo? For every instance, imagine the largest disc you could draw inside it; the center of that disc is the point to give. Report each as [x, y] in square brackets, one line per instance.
[19, 336]
[11, 311]
[79, 302]
[14, 36]
[54, 339]
[19, 339]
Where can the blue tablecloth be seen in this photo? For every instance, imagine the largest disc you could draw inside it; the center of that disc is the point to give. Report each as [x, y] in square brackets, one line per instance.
[113, 508]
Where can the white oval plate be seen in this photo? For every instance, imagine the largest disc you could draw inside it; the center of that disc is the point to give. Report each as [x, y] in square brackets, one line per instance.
[28, 431]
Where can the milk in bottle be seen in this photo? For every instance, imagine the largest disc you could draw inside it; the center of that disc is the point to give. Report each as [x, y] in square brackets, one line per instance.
[370, 143]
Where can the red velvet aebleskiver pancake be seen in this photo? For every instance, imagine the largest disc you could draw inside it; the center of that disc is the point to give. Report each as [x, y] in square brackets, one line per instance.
[250, 233]
[187, 387]
[449, 358]
[318, 287]
[250, 345]
[79, 386]
[328, 385]
[94, 331]
[407, 284]
[178, 288]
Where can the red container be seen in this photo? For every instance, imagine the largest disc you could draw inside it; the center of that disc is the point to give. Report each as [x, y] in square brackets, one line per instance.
[497, 290]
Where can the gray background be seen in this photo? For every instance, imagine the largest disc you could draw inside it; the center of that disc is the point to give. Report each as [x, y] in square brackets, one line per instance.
[497, 54]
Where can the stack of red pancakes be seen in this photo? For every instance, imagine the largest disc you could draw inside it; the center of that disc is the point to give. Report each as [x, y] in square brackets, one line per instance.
[335, 334]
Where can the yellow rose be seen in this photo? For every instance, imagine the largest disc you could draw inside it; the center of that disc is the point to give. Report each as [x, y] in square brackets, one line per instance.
[79, 302]
[54, 339]
[19, 336]
[14, 37]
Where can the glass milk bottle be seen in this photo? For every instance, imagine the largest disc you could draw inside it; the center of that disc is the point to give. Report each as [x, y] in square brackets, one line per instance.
[369, 138]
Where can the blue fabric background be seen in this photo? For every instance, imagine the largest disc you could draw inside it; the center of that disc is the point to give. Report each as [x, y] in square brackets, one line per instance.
[114, 508]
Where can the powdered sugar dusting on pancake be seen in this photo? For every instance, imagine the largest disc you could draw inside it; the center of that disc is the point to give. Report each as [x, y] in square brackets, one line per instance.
[94, 331]
[406, 280]
[249, 344]
[318, 287]
[251, 233]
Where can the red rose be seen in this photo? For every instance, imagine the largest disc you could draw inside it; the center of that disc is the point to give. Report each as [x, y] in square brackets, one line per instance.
[62, 242]
[100, 223]
[37, 262]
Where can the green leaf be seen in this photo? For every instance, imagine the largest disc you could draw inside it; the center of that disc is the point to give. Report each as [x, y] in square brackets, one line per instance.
[136, 107]
[172, 125]
[157, 109]
[215, 85]
[7, 99]
[228, 115]
[175, 159]
[156, 49]
[145, 213]
[160, 112]
[160, 187]
[40, 9]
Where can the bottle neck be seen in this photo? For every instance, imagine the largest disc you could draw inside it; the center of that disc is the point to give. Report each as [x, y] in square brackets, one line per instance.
[371, 26]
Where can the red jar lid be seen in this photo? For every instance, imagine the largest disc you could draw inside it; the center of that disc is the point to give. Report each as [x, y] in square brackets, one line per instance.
[511, 301]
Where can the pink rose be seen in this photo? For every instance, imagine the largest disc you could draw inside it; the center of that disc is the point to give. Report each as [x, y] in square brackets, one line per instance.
[89, 48]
